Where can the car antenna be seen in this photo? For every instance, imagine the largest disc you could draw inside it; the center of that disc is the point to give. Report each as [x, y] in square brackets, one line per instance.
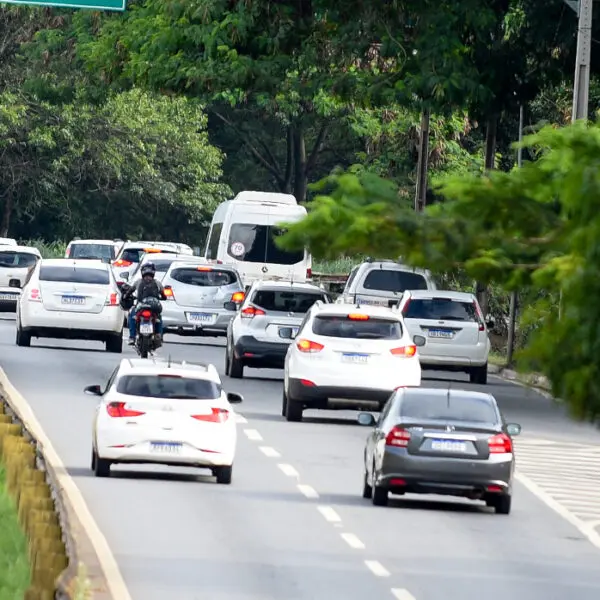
[448, 394]
[169, 362]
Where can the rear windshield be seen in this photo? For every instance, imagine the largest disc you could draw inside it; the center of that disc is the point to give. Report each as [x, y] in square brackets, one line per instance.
[383, 280]
[132, 255]
[286, 301]
[17, 259]
[437, 408]
[441, 309]
[75, 275]
[97, 251]
[162, 266]
[343, 327]
[212, 278]
[168, 386]
[256, 244]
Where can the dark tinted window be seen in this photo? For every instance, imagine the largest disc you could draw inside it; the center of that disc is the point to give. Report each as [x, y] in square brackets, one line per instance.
[212, 247]
[459, 408]
[441, 309]
[384, 280]
[212, 278]
[132, 255]
[286, 300]
[168, 386]
[343, 327]
[98, 251]
[17, 259]
[74, 275]
[162, 266]
[256, 243]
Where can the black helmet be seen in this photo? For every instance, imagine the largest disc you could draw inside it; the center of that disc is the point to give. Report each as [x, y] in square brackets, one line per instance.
[148, 269]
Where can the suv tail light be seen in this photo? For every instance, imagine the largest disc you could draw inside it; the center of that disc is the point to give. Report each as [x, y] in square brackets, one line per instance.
[398, 437]
[122, 263]
[405, 307]
[238, 297]
[500, 444]
[309, 346]
[35, 295]
[406, 351]
[117, 409]
[112, 300]
[252, 311]
[308, 273]
[218, 415]
[169, 292]
[479, 316]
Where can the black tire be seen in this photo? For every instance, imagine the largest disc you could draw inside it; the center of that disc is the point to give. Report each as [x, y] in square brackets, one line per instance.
[367, 489]
[284, 403]
[502, 504]
[101, 466]
[93, 465]
[236, 367]
[23, 338]
[114, 344]
[224, 474]
[293, 411]
[380, 496]
[227, 361]
[143, 346]
[479, 375]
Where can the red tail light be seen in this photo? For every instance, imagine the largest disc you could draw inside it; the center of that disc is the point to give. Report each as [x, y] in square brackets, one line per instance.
[398, 437]
[405, 307]
[169, 292]
[252, 311]
[406, 351]
[358, 317]
[238, 297]
[500, 444]
[307, 383]
[145, 314]
[308, 273]
[35, 295]
[122, 263]
[218, 415]
[309, 346]
[117, 409]
[68, 253]
[479, 316]
[112, 300]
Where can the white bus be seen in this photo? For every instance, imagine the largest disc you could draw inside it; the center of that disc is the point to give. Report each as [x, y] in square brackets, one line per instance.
[243, 232]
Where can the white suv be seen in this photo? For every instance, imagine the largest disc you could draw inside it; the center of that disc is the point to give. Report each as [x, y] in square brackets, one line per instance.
[345, 356]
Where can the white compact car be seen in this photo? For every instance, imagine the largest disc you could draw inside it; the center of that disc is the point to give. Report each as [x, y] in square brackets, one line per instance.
[456, 332]
[71, 299]
[344, 356]
[161, 412]
[16, 262]
[132, 253]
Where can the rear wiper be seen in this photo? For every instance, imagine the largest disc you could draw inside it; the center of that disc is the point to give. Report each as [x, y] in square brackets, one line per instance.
[185, 397]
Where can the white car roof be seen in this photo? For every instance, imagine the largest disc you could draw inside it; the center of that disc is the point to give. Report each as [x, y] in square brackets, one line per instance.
[287, 285]
[141, 366]
[366, 309]
[449, 294]
[72, 263]
[24, 249]
[97, 242]
[159, 245]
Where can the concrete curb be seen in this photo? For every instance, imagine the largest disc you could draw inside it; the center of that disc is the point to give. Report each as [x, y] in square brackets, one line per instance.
[532, 380]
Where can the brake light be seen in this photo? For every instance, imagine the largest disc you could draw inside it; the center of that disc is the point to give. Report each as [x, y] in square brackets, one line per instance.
[238, 297]
[406, 351]
[252, 311]
[203, 268]
[309, 346]
[35, 295]
[358, 317]
[117, 409]
[308, 273]
[405, 307]
[500, 444]
[68, 252]
[112, 300]
[398, 437]
[122, 263]
[479, 316]
[217, 415]
[145, 314]
[169, 292]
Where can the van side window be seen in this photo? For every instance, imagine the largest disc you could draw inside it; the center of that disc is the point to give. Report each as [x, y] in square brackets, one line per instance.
[212, 248]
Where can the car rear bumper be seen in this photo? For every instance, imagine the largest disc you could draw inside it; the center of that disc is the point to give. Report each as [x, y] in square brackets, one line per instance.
[175, 320]
[258, 354]
[8, 299]
[71, 325]
[445, 356]
[189, 456]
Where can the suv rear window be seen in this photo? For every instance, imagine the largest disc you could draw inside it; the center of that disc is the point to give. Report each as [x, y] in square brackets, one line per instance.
[438, 408]
[75, 275]
[385, 280]
[441, 309]
[97, 251]
[212, 278]
[343, 327]
[17, 259]
[168, 386]
[286, 300]
[256, 244]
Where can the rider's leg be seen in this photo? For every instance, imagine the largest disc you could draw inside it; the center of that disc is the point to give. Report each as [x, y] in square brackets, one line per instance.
[131, 321]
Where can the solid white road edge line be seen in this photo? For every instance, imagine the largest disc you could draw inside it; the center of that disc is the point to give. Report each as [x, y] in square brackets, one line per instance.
[586, 529]
[402, 594]
[288, 470]
[270, 452]
[308, 491]
[253, 435]
[352, 541]
[329, 514]
[377, 568]
[114, 579]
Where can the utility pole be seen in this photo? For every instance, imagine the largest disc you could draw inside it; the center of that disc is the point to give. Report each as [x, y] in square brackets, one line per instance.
[422, 165]
[581, 85]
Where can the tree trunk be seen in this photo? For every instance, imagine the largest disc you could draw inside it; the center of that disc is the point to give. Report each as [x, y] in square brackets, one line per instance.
[423, 163]
[300, 175]
[6, 215]
[289, 161]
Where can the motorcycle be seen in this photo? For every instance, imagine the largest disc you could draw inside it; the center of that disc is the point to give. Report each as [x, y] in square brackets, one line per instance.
[146, 318]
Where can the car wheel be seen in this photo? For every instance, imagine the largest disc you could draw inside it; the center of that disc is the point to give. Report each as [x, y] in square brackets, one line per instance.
[114, 344]
[101, 466]
[227, 360]
[22, 338]
[224, 474]
[93, 465]
[293, 410]
[380, 496]
[367, 489]
[502, 504]
[479, 375]
[236, 367]
[284, 403]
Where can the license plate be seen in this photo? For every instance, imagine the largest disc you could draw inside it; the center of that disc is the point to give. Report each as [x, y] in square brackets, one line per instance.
[165, 447]
[294, 329]
[73, 300]
[200, 317]
[441, 333]
[449, 446]
[8, 296]
[355, 358]
[146, 328]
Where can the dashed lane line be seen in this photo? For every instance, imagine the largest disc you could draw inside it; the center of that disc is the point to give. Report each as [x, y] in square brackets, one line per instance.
[402, 594]
[377, 568]
[253, 435]
[329, 514]
[352, 541]
[270, 452]
[307, 490]
[288, 470]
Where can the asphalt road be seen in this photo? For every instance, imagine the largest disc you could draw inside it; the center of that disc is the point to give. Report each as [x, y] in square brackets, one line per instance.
[293, 526]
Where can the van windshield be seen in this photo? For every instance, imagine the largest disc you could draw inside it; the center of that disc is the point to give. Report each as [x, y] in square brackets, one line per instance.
[254, 243]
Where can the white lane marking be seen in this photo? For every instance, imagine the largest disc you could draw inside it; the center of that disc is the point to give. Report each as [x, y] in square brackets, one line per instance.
[329, 514]
[377, 568]
[112, 574]
[352, 541]
[270, 452]
[240, 419]
[288, 470]
[402, 594]
[253, 435]
[308, 491]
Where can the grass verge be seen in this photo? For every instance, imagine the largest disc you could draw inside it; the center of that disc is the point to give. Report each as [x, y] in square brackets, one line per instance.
[14, 561]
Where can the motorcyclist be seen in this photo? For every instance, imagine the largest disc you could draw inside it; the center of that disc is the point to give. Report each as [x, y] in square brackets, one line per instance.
[147, 287]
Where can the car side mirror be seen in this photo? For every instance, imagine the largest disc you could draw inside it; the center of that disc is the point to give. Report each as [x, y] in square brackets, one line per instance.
[287, 333]
[366, 419]
[234, 398]
[419, 340]
[231, 306]
[93, 390]
[513, 429]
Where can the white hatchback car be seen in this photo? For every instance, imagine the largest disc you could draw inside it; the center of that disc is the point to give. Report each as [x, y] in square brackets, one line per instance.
[162, 412]
[457, 335]
[15, 264]
[71, 299]
[344, 356]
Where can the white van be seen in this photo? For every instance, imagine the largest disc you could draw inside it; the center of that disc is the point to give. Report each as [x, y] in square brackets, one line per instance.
[243, 231]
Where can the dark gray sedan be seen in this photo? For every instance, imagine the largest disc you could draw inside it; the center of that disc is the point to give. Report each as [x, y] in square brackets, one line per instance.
[436, 441]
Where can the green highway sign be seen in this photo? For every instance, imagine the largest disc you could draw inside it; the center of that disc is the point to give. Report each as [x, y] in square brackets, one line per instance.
[89, 4]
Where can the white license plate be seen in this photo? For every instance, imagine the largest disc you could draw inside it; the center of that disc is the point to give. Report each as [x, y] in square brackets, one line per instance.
[360, 359]
[8, 296]
[449, 446]
[201, 317]
[165, 448]
[73, 300]
[440, 333]
[146, 328]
